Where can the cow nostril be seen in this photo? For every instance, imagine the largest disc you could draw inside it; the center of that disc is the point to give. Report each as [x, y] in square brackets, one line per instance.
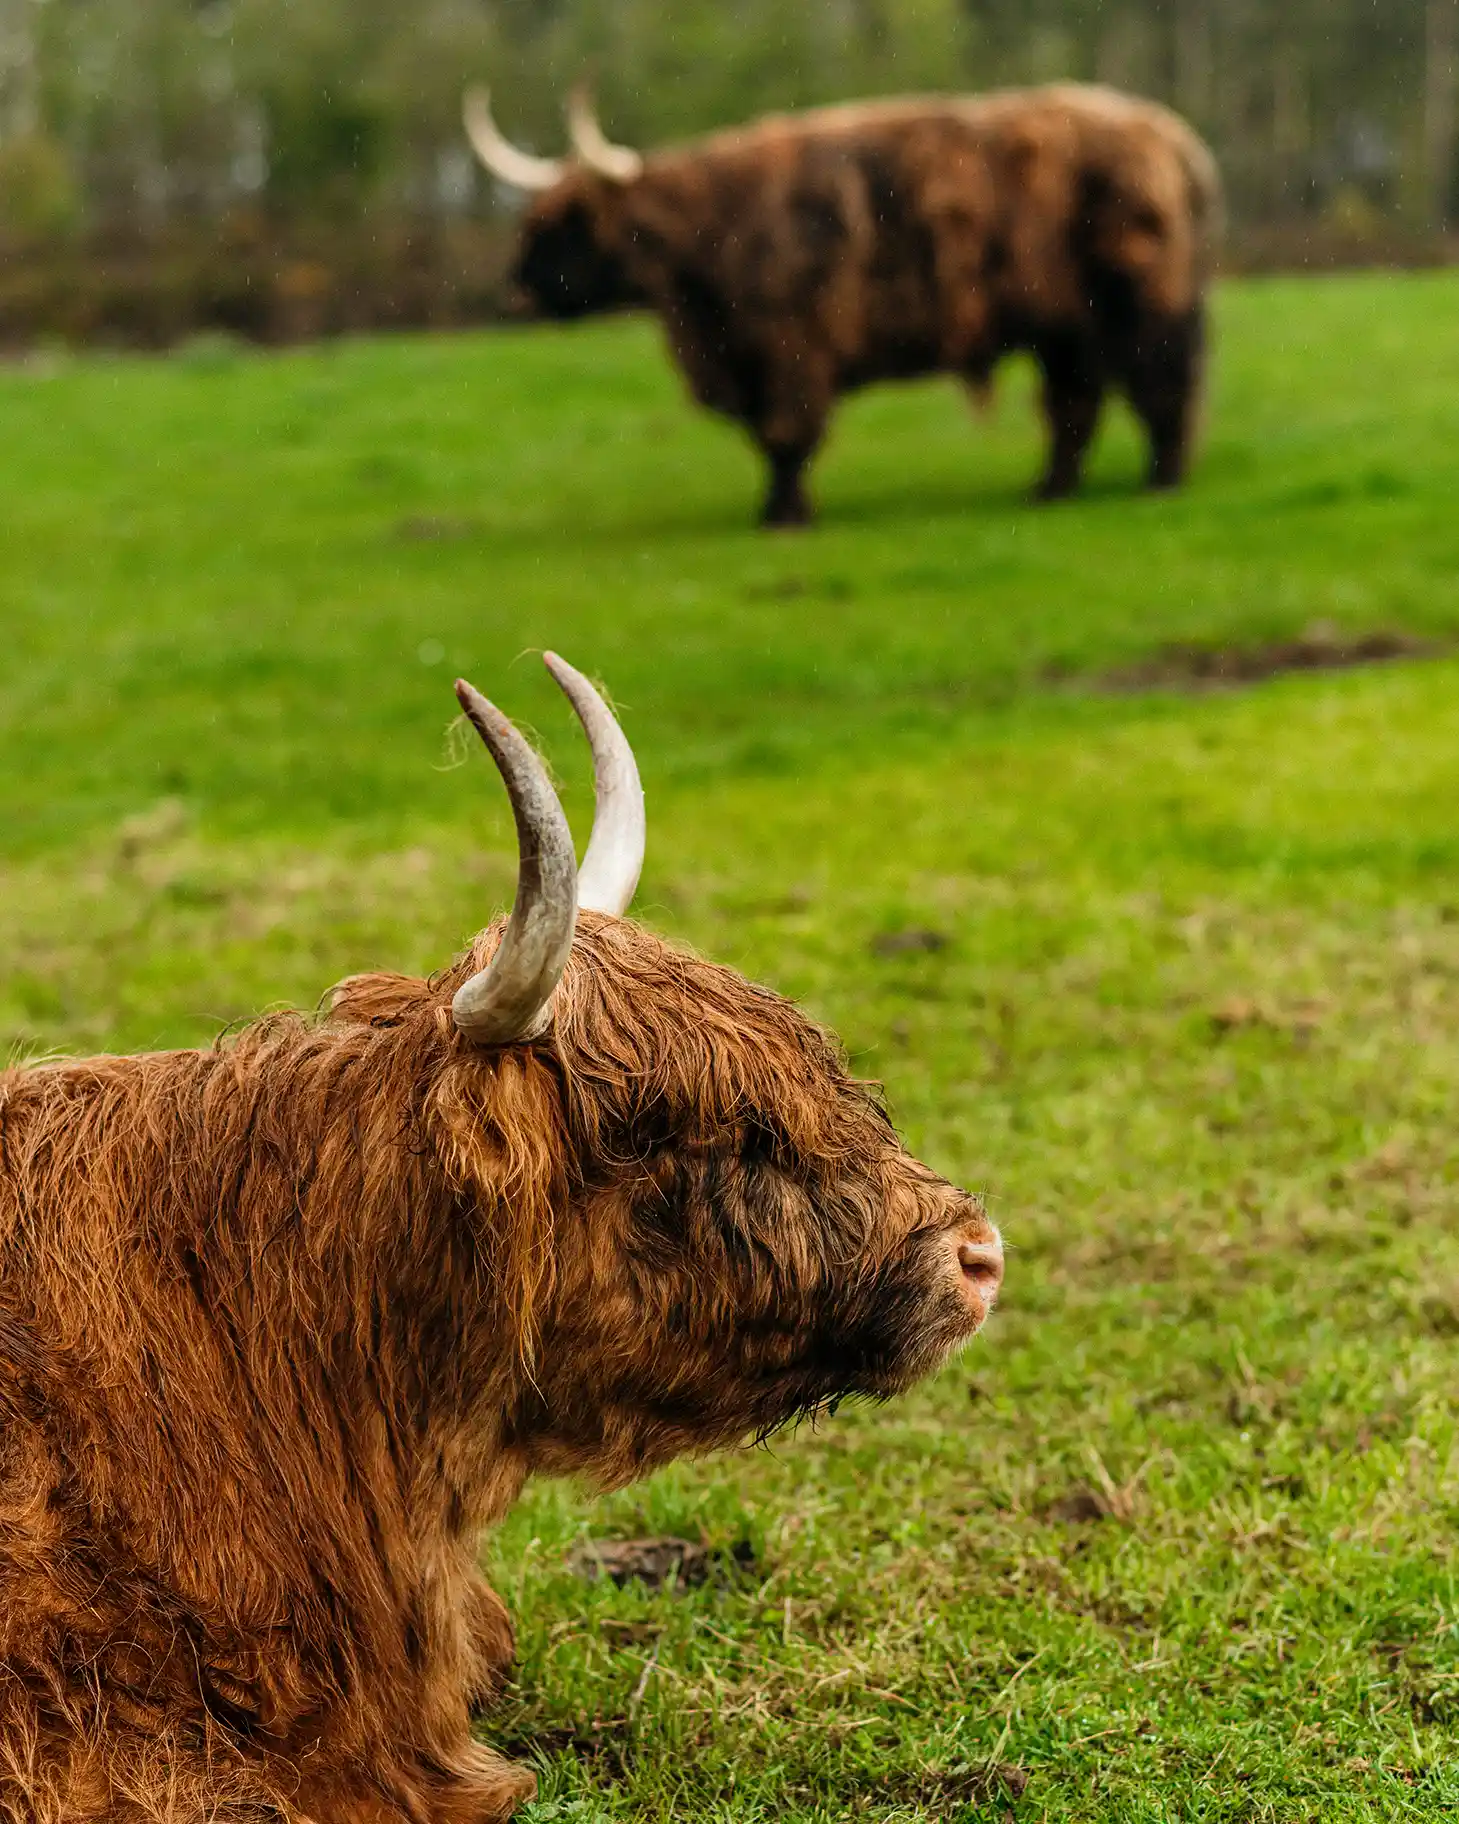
[982, 1265]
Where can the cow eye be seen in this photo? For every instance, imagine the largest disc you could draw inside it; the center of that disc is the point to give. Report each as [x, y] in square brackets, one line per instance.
[654, 1143]
[762, 1141]
[647, 1135]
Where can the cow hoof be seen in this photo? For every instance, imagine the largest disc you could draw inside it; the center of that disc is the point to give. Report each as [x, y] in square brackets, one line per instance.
[492, 1793]
[1048, 491]
[787, 519]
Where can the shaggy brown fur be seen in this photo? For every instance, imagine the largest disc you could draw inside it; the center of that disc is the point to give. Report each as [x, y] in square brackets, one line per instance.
[807, 255]
[284, 1324]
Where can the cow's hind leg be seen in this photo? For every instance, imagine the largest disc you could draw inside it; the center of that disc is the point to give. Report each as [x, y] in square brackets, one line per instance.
[491, 1640]
[1073, 394]
[478, 1787]
[786, 501]
[78, 1769]
[793, 390]
[1163, 380]
[131, 1776]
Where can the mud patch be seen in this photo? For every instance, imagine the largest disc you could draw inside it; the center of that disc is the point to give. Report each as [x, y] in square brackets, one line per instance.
[435, 528]
[1192, 666]
[909, 943]
[1080, 1507]
[600, 1747]
[658, 1563]
[958, 1786]
[1241, 1011]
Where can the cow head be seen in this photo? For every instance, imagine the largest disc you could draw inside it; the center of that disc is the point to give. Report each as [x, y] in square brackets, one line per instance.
[748, 1241]
[571, 259]
[704, 1224]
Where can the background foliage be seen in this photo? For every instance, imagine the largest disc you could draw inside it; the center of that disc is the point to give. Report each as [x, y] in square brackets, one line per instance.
[310, 154]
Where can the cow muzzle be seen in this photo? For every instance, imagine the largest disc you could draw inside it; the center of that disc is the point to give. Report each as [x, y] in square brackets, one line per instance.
[974, 1253]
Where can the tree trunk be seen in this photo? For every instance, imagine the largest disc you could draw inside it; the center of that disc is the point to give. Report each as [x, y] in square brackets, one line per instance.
[19, 85]
[1440, 36]
[1291, 131]
[1191, 62]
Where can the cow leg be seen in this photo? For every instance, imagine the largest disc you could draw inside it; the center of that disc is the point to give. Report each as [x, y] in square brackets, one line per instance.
[73, 1763]
[491, 1641]
[481, 1788]
[794, 390]
[1073, 394]
[1163, 380]
[786, 502]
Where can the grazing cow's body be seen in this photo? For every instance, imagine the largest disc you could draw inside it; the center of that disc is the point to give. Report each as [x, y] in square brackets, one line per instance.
[806, 255]
[285, 1323]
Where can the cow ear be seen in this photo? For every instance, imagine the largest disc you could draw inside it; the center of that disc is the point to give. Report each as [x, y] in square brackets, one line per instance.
[495, 1120]
[377, 999]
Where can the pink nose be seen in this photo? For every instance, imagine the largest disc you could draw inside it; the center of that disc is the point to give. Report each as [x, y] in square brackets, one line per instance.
[982, 1270]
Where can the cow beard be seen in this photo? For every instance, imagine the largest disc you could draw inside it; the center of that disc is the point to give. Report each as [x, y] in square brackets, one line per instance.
[760, 1355]
[883, 1334]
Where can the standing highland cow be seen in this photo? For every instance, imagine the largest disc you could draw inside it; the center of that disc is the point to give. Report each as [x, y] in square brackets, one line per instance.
[807, 255]
[285, 1323]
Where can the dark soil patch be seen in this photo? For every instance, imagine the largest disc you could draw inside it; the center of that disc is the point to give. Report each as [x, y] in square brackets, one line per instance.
[909, 943]
[435, 528]
[1080, 1507]
[1240, 1011]
[1189, 665]
[959, 1786]
[600, 1747]
[656, 1562]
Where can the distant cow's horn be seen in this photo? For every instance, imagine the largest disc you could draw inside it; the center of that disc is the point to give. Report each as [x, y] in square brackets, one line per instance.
[504, 160]
[593, 146]
[614, 859]
[512, 997]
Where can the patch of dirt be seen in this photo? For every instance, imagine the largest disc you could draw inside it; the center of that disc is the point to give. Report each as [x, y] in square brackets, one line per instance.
[599, 1745]
[1440, 1312]
[955, 1786]
[1101, 1499]
[656, 1562]
[435, 528]
[1302, 1020]
[1080, 1507]
[1190, 665]
[790, 587]
[917, 940]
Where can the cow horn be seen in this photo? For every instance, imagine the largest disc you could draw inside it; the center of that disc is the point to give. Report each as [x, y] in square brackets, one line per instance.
[614, 859]
[524, 170]
[592, 145]
[512, 997]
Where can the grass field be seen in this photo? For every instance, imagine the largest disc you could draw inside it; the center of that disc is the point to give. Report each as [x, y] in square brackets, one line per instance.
[1175, 1540]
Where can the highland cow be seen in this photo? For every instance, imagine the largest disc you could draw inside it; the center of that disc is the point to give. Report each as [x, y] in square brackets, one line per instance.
[807, 255]
[284, 1324]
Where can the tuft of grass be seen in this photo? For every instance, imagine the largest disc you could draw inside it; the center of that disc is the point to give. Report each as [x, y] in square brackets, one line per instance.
[1173, 979]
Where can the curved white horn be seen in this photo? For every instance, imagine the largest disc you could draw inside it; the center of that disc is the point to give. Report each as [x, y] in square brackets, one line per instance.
[593, 146]
[512, 997]
[614, 859]
[504, 160]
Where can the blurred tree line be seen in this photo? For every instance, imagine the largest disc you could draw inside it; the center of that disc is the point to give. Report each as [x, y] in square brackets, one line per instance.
[321, 125]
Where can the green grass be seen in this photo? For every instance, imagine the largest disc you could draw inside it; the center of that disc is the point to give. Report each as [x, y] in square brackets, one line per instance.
[1176, 1536]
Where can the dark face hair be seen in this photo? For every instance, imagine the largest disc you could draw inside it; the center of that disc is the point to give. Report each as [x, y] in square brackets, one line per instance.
[733, 1283]
[796, 1277]
[564, 267]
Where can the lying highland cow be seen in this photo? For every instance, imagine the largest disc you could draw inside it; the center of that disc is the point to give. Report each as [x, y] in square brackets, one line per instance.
[796, 259]
[284, 1324]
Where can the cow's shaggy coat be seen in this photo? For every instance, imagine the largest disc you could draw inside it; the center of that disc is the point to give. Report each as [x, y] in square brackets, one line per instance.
[801, 257]
[285, 1323]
